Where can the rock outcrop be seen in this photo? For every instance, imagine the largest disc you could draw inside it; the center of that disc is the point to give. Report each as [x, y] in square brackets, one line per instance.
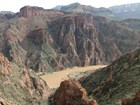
[5, 66]
[71, 92]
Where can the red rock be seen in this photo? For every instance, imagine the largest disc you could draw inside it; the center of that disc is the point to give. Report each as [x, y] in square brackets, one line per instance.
[134, 101]
[127, 101]
[46, 40]
[2, 101]
[71, 92]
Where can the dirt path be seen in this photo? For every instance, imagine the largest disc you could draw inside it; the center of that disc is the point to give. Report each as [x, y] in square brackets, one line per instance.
[54, 79]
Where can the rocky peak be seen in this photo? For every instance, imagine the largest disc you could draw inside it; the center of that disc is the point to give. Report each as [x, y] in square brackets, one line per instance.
[71, 92]
[77, 7]
[29, 11]
[87, 9]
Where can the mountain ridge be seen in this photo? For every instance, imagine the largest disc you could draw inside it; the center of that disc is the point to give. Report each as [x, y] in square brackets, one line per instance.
[118, 12]
[86, 9]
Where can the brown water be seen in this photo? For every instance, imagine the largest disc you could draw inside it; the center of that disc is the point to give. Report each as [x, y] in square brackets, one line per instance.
[54, 79]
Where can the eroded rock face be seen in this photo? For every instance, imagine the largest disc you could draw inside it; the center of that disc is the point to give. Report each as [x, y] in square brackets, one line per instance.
[33, 83]
[48, 40]
[134, 101]
[71, 92]
[78, 40]
[5, 65]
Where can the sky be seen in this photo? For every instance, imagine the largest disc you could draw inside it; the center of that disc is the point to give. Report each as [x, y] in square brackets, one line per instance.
[15, 5]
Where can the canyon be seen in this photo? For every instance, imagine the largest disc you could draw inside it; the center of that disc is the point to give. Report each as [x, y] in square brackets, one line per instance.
[49, 40]
[67, 45]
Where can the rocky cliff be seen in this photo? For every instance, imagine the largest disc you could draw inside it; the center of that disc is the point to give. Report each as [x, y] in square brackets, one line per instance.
[118, 81]
[48, 40]
[20, 86]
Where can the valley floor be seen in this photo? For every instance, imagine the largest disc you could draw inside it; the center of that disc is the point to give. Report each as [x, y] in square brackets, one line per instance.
[54, 79]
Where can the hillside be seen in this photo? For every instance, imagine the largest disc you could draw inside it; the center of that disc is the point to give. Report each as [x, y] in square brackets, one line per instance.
[117, 81]
[49, 40]
[20, 86]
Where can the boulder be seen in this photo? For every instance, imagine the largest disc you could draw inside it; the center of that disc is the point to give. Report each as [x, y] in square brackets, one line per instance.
[71, 92]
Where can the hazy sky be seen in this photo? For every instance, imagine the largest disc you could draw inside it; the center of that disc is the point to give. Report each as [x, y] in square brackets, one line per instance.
[15, 5]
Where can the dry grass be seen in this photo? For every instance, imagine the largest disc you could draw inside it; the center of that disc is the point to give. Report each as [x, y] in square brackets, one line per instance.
[54, 79]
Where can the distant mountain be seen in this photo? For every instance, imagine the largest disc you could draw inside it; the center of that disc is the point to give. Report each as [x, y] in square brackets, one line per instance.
[5, 15]
[86, 9]
[120, 12]
[58, 7]
[132, 23]
[6, 12]
[127, 11]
